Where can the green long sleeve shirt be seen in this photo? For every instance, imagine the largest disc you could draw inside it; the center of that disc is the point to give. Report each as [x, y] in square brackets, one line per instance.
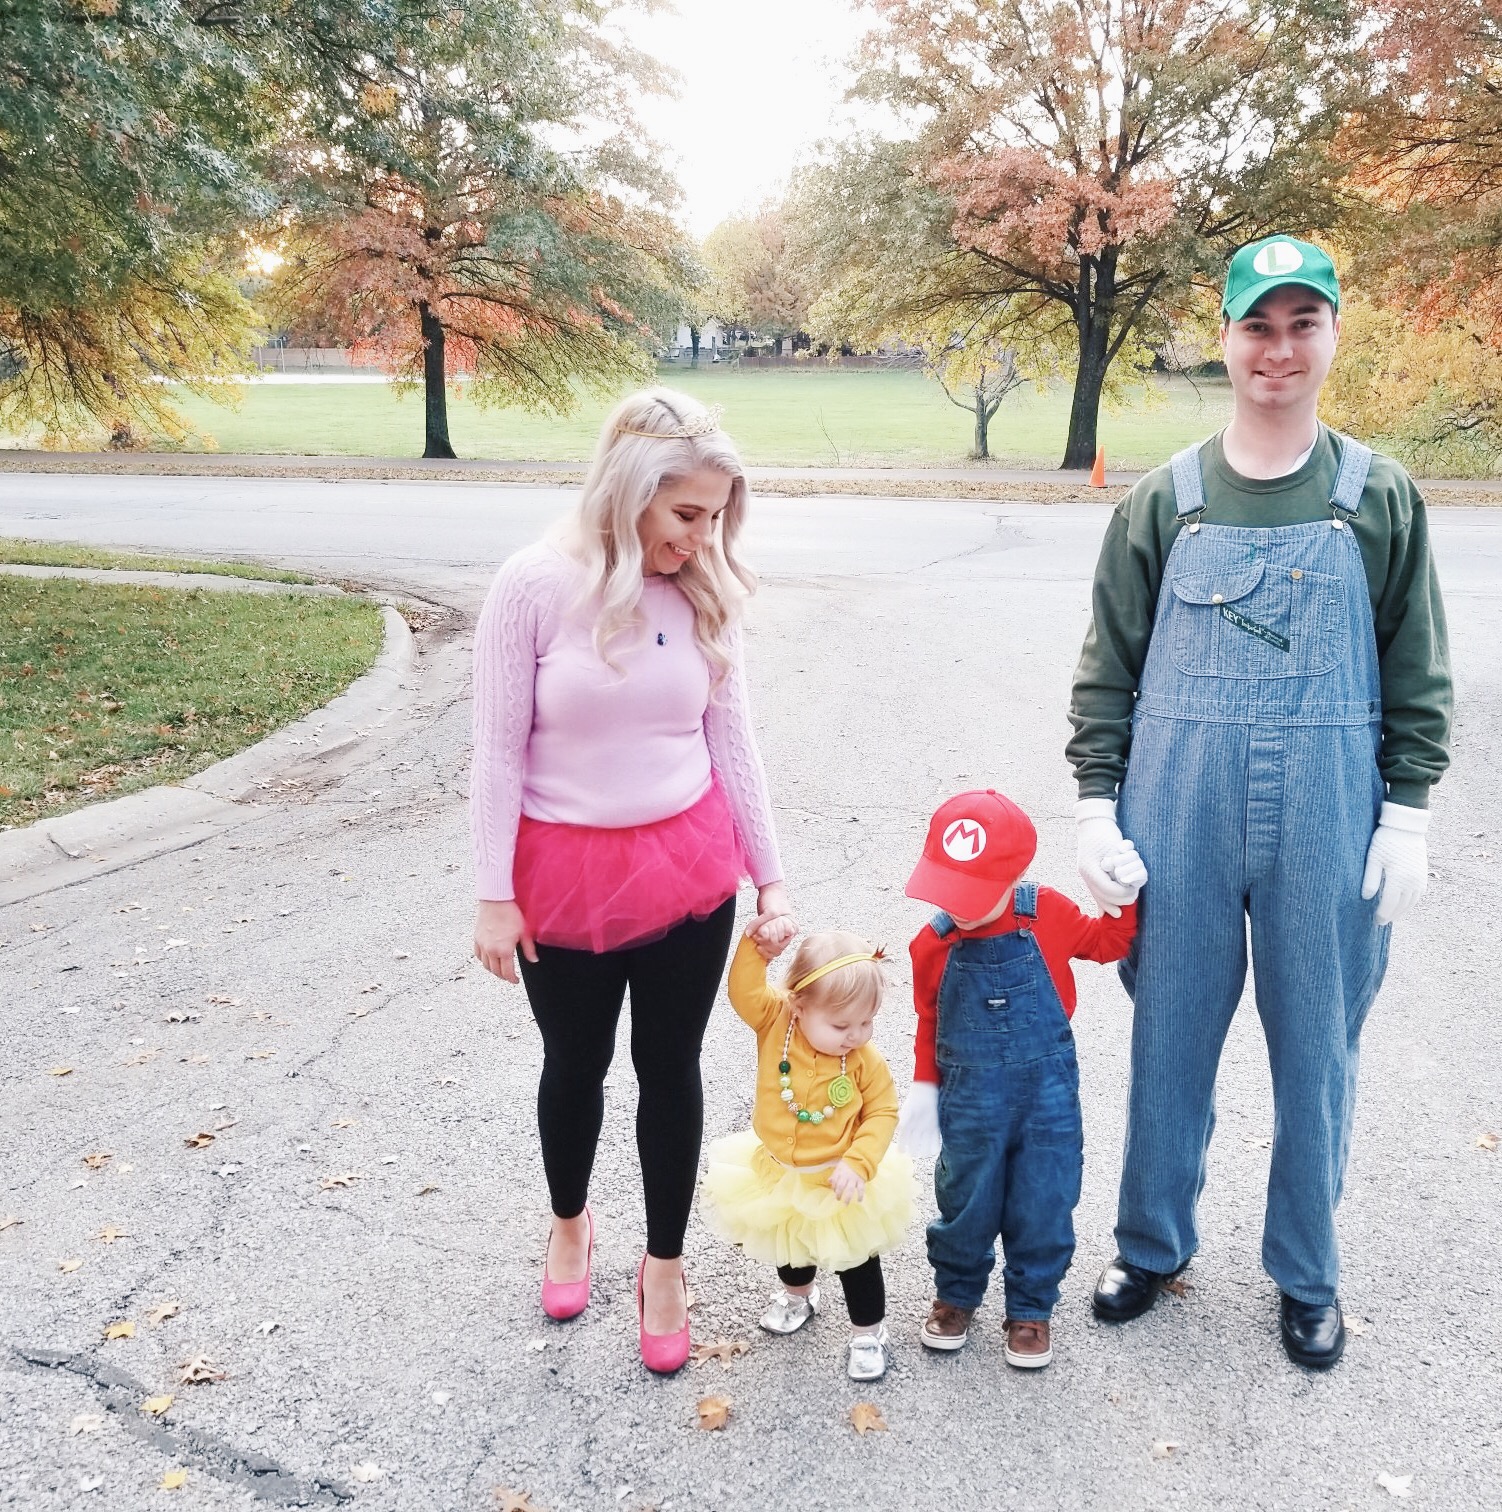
[1393, 534]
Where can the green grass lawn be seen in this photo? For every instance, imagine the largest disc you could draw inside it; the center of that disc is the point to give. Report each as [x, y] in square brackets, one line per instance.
[814, 416]
[107, 689]
[23, 553]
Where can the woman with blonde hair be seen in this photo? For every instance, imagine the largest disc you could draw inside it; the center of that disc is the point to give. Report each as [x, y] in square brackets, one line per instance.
[616, 799]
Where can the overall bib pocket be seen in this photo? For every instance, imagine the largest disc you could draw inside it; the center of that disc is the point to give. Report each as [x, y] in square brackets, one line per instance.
[1256, 620]
[982, 1007]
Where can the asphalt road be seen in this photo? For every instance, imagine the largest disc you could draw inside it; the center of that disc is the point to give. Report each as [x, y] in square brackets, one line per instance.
[358, 1248]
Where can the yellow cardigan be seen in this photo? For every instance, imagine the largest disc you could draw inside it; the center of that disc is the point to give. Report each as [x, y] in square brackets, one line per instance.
[860, 1132]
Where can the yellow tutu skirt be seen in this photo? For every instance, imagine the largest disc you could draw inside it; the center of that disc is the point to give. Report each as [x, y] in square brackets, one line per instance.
[787, 1217]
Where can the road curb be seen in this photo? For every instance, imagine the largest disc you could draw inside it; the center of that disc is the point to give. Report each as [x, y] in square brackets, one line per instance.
[103, 837]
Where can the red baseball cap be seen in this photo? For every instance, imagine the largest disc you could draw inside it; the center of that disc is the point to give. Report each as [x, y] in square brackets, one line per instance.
[978, 845]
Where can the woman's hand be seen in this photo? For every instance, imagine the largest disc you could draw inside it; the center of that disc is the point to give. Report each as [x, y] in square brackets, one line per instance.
[849, 1185]
[499, 929]
[773, 925]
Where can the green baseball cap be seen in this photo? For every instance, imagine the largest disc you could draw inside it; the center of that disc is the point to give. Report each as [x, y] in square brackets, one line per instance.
[1269, 264]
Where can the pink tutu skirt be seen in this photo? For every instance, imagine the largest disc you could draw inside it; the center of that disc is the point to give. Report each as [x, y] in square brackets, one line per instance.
[605, 889]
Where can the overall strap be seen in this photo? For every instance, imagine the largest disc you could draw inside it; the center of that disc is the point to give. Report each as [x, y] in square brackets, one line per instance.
[1188, 482]
[941, 924]
[1025, 901]
[1350, 481]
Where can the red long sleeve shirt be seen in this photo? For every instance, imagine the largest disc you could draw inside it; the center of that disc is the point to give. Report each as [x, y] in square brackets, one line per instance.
[1064, 933]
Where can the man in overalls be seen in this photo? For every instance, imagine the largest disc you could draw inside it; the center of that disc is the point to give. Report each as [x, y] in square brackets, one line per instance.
[1262, 705]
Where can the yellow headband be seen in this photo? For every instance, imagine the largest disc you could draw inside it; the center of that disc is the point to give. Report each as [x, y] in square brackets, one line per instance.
[695, 425]
[810, 977]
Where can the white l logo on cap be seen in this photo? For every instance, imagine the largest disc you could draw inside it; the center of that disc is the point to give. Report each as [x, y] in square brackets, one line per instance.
[1277, 258]
[964, 840]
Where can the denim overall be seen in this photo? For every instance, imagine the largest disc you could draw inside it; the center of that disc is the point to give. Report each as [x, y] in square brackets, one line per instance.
[1009, 1117]
[1252, 791]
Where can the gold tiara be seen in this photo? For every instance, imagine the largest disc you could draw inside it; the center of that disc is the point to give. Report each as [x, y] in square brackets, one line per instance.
[696, 425]
[808, 978]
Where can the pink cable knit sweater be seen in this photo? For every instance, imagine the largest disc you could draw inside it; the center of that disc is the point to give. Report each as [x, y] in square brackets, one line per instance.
[561, 737]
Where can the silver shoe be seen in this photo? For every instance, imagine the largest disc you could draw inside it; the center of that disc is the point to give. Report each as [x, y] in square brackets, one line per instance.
[787, 1312]
[868, 1356]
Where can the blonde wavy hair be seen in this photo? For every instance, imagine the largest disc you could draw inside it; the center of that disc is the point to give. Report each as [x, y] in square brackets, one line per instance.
[623, 479]
[861, 982]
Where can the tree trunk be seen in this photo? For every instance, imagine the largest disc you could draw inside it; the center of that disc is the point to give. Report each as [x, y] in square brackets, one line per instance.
[777, 346]
[435, 390]
[1093, 320]
[982, 449]
[693, 341]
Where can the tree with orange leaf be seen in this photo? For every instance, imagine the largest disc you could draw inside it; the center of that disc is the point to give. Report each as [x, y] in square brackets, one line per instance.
[481, 200]
[1098, 158]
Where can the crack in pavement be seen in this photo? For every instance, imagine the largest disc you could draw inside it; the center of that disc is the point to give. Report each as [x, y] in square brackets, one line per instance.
[264, 1478]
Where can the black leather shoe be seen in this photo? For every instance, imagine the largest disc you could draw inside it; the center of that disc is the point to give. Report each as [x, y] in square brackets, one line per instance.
[1314, 1333]
[1126, 1291]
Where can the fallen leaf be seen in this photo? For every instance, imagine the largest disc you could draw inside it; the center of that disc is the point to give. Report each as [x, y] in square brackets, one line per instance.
[124, 1329]
[180, 1016]
[427, 1187]
[344, 1123]
[401, 955]
[1179, 1286]
[270, 1326]
[90, 1482]
[109, 1234]
[145, 1058]
[162, 1311]
[369, 1471]
[174, 1480]
[537, 1345]
[689, 1296]
[1259, 1143]
[449, 1081]
[199, 1371]
[199, 1141]
[194, 1060]
[10, 1221]
[67, 1267]
[714, 1412]
[1487, 1142]
[1395, 1485]
[359, 1012]
[344, 1179]
[1164, 1449]
[865, 1417]
[220, 1001]
[61, 1071]
[87, 1422]
[515, 1501]
[157, 1405]
[723, 1350]
[373, 987]
[225, 1123]
[259, 1054]
[98, 1161]
[1356, 1326]
[443, 1398]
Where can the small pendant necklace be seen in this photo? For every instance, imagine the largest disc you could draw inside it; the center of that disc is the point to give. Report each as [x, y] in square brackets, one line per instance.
[839, 1092]
[662, 639]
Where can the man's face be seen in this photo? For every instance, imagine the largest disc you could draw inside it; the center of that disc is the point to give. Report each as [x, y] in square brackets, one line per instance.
[1278, 353]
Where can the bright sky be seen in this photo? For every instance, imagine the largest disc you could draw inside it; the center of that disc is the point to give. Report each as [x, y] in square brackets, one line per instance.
[762, 81]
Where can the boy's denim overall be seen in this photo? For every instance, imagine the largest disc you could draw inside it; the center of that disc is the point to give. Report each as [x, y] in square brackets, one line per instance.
[1009, 1118]
[1252, 790]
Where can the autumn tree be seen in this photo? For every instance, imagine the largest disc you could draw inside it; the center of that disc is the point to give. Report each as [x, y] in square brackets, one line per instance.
[478, 197]
[1099, 157]
[756, 280]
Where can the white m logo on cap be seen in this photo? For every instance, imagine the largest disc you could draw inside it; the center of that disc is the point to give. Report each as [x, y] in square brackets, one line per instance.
[1278, 257]
[964, 840]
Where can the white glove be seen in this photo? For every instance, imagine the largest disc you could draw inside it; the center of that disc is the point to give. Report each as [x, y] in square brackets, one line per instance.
[1099, 839]
[1126, 867]
[1397, 862]
[918, 1122]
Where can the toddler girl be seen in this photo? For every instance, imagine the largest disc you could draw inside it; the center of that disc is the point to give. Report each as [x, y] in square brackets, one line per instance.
[815, 1182]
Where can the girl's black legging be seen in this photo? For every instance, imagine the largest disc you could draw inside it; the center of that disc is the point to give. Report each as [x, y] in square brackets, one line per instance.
[865, 1288]
[576, 998]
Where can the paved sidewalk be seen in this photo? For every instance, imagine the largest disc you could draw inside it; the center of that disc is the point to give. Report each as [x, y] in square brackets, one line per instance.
[358, 1245]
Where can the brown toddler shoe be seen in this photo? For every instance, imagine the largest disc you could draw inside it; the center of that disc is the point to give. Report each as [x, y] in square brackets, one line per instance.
[1029, 1345]
[946, 1327]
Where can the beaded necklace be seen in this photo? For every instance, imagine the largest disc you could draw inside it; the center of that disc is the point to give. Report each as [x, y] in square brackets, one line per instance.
[839, 1092]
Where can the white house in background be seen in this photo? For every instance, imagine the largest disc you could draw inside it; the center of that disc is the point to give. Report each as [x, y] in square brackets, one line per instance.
[711, 339]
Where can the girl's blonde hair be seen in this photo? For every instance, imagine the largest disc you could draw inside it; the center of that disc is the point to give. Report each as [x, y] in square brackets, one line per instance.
[861, 982]
[627, 471]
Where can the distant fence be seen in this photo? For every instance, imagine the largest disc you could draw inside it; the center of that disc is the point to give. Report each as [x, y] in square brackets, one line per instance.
[291, 359]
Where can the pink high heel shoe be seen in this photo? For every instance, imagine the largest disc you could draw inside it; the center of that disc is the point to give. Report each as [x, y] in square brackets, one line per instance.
[567, 1299]
[663, 1353]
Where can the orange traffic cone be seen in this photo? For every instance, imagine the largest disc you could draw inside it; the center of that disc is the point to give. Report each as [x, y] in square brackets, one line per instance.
[1098, 472]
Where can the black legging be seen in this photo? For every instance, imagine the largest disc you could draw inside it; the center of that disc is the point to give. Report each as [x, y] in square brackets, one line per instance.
[865, 1288]
[576, 998]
